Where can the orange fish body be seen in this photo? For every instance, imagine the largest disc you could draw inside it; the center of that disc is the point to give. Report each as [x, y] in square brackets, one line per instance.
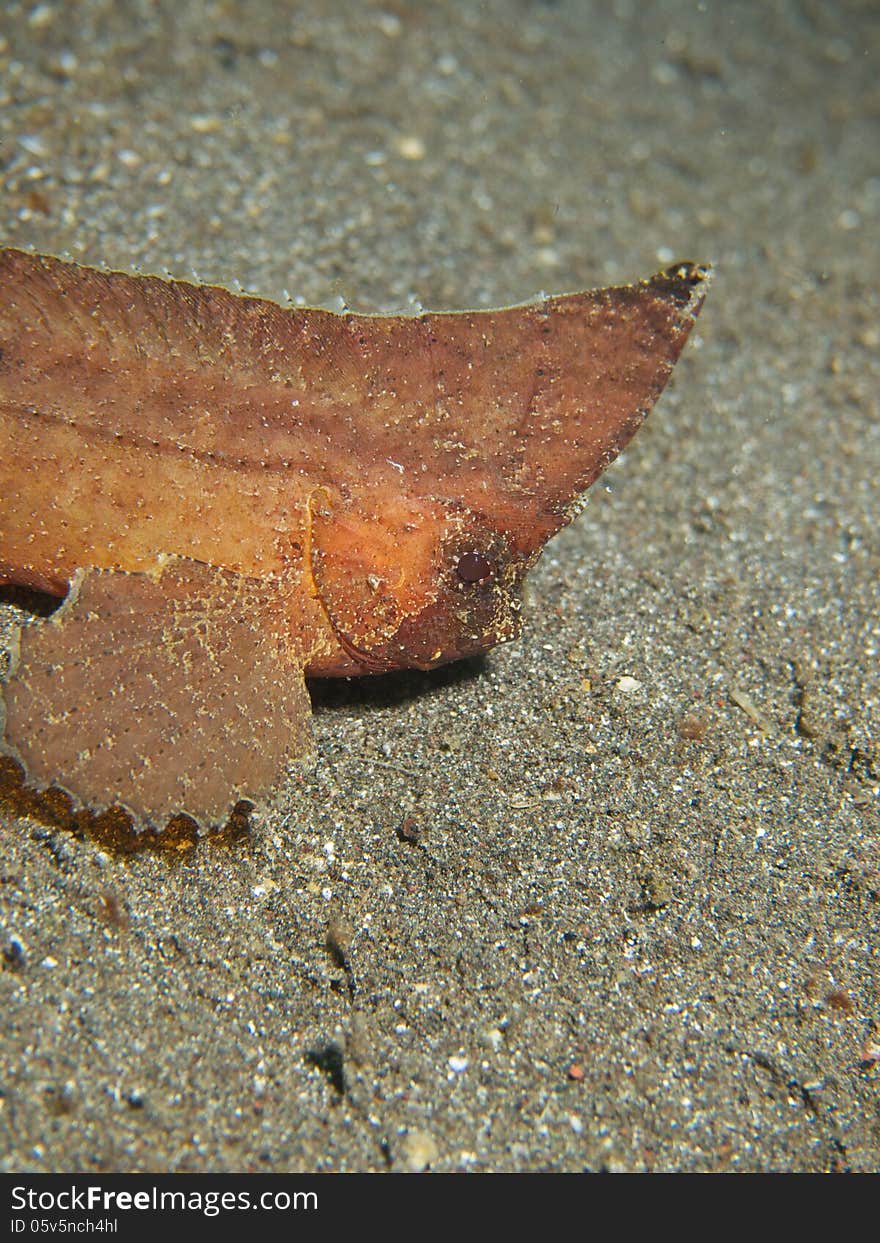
[233, 494]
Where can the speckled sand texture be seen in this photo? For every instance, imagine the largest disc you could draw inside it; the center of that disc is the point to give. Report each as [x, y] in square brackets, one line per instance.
[609, 899]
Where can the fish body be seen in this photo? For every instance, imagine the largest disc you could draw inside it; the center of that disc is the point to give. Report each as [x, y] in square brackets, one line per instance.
[232, 494]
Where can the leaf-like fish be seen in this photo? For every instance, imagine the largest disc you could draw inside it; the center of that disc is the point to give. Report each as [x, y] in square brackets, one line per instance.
[233, 494]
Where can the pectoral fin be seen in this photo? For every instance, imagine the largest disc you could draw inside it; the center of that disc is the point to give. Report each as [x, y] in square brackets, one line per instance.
[163, 694]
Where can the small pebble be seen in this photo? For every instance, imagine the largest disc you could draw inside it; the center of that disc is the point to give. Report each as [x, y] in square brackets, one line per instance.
[13, 953]
[390, 25]
[410, 147]
[418, 1150]
[33, 144]
[41, 16]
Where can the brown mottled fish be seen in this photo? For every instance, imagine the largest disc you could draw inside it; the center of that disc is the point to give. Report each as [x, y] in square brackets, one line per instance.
[232, 495]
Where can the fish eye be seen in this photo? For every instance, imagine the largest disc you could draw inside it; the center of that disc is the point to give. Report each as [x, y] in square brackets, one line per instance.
[474, 567]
